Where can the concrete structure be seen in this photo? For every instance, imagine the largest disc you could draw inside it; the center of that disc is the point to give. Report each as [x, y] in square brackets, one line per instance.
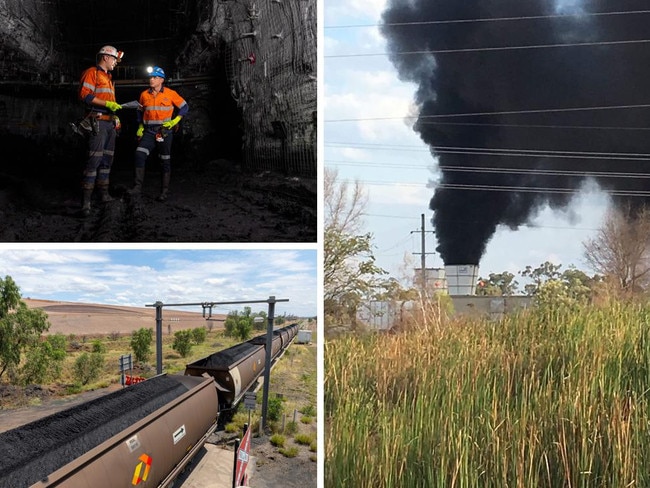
[304, 337]
[378, 315]
[383, 316]
[461, 278]
[435, 278]
[213, 468]
[494, 307]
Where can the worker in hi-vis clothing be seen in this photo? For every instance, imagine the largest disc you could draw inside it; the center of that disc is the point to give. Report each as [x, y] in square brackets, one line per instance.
[162, 109]
[97, 91]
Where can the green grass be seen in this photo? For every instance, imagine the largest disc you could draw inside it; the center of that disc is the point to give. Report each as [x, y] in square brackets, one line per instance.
[304, 439]
[278, 440]
[289, 452]
[555, 399]
[115, 346]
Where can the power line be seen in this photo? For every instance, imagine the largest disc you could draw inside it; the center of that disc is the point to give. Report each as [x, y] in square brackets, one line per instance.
[547, 155]
[387, 216]
[486, 151]
[504, 112]
[492, 49]
[493, 19]
[508, 189]
[544, 172]
[465, 221]
[509, 170]
[536, 126]
[526, 189]
[384, 183]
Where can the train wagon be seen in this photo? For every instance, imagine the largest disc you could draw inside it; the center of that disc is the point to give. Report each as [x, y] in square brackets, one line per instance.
[143, 435]
[236, 369]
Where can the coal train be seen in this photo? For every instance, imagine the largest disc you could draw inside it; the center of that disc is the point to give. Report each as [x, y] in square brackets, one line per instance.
[143, 435]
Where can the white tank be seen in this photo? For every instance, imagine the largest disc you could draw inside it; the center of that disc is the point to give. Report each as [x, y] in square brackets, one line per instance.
[461, 278]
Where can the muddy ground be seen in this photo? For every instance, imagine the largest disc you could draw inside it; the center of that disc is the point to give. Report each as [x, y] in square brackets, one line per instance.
[218, 203]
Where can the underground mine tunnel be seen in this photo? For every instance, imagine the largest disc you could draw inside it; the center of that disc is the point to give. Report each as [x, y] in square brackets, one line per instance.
[243, 159]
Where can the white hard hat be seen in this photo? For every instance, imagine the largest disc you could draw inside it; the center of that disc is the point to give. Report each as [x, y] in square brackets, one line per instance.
[111, 51]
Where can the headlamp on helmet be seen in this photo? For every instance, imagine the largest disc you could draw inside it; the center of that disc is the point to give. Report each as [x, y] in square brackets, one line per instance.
[111, 51]
[156, 71]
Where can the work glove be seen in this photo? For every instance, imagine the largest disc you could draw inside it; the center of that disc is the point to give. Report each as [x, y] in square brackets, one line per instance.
[171, 123]
[140, 131]
[112, 106]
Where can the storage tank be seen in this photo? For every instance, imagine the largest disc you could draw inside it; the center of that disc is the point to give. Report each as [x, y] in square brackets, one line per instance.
[461, 278]
[304, 337]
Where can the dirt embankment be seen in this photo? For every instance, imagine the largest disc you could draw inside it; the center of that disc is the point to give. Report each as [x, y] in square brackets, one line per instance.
[87, 319]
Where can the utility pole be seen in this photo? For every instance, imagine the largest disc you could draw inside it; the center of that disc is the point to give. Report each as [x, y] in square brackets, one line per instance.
[267, 363]
[423, 253]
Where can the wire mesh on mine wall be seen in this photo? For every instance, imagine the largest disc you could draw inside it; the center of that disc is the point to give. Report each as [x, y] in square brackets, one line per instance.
[271, 65]
[293, 154]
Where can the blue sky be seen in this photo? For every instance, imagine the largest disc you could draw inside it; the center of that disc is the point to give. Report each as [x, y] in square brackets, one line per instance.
[383, 153]
[139, 277]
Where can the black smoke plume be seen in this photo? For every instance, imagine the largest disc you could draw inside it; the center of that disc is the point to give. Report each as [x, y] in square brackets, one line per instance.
[542, 85]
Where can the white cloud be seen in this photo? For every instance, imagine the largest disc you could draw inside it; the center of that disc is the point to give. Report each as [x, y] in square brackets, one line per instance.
[111, 277]
[216, 281]
[353, 154]
[359, 11]
[378, 108]
[29, 270]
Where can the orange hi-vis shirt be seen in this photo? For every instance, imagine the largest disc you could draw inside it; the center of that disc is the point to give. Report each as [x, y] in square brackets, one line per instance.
[159, 107]
[95, 82]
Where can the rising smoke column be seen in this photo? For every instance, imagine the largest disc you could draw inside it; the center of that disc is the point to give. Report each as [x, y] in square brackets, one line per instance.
[541, 79]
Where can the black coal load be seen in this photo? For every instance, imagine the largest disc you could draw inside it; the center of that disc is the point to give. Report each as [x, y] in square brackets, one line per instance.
[226, 358]
[35, 450]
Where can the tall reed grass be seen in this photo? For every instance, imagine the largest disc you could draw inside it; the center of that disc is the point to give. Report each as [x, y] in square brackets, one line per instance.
[545, 399]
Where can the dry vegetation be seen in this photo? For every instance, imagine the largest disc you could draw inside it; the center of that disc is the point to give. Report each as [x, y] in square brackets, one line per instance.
[554, 397]
[292, 463]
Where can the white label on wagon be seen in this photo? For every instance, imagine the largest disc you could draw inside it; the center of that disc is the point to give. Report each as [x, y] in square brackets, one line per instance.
[133, 443]
[179, 434]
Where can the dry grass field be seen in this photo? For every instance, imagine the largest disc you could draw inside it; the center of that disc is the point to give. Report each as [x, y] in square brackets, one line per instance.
[87, 319]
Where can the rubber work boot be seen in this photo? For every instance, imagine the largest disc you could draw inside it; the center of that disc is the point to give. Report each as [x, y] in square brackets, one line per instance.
[85, 206]
[139, 179]
[165, 187]
[105, 196]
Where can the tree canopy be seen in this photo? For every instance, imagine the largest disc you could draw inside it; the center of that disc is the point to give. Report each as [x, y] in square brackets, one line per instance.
[350, 273]
[20, 327]
[620, 250]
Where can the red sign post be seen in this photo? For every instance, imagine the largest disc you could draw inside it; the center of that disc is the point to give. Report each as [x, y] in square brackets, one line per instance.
[242, 454]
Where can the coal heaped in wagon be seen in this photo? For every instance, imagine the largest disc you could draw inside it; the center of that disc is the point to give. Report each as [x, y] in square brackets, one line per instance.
[236, 369]
[152, 428]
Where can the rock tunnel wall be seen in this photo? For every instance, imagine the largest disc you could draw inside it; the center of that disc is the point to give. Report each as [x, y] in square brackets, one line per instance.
[268, 50]
[247, 70]
[27, 47]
